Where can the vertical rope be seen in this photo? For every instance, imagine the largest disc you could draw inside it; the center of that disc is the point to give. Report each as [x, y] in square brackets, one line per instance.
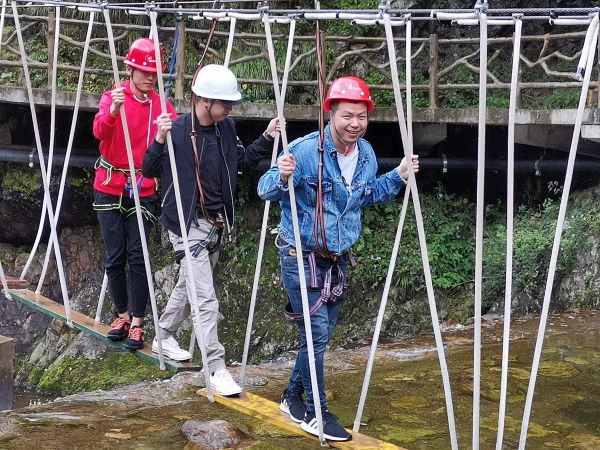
[395, 248]
[263, 229]
[36, 132]
[134, 186]
[4, 283]
[479, 225]
[510, 200]
[230, 41]
[184, 236]
[557, 235]
[63, 177]
[421, 232]
[299, 254]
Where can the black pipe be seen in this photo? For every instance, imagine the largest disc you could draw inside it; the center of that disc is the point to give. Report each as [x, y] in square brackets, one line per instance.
[26, 155]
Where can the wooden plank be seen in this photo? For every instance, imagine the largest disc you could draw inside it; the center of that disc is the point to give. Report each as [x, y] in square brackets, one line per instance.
[268, 411]
[91, 327]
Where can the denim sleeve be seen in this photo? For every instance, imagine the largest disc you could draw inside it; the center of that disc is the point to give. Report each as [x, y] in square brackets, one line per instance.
[270, 185]
[384, 189]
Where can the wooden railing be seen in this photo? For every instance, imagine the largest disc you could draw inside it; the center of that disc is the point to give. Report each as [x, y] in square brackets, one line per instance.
[445, 70]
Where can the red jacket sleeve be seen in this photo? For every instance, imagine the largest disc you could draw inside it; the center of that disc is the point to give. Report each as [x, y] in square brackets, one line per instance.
[103, 122]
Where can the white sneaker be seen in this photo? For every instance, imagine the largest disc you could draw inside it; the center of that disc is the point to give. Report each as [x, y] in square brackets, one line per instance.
[171, 349]
[222, 382]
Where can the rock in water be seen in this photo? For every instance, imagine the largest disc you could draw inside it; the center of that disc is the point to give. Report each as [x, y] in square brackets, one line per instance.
[214, 434]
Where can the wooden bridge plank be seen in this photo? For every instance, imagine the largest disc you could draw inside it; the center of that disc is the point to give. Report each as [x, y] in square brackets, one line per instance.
[268, 411]
[91, 327]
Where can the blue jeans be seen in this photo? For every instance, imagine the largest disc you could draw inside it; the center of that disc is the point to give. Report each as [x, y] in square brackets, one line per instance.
[322, 322]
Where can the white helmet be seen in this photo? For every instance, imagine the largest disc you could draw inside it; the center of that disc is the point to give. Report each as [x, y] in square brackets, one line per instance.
[217, 82]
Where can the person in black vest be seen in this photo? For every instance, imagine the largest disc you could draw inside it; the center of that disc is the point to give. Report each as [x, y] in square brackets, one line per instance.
[208, 155]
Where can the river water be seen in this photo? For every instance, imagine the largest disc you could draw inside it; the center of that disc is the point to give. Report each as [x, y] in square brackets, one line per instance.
[405, 405]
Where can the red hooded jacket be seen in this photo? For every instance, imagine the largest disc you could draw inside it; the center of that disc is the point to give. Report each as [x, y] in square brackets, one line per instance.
[141, 122]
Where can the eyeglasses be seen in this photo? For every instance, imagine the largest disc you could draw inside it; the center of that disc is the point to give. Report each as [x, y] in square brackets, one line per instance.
[228, 103]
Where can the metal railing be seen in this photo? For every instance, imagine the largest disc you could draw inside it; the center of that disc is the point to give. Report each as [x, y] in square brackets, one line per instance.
[445, 70]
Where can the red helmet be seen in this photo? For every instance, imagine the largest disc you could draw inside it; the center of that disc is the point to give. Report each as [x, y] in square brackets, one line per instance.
[141, 55]
[350, 89]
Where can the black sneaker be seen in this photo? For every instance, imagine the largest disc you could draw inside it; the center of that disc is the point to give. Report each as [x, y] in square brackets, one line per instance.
[136, 338]
[332, 429]
[292, 404]
[119, 329]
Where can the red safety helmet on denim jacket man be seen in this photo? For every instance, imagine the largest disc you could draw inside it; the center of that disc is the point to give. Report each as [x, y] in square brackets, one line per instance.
[351, 89]
[141, 55]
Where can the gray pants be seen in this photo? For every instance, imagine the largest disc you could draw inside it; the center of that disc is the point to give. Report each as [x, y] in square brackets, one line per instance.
[178, 307]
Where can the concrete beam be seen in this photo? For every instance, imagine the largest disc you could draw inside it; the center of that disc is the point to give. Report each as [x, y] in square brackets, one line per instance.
[554, 137]
[6, 373]
[89, 102]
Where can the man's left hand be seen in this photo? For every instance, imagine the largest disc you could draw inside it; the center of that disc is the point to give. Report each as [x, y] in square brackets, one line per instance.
[403, 167]
[273, 128]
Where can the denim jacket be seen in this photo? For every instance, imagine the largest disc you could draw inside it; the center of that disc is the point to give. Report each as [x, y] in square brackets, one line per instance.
[341, 204]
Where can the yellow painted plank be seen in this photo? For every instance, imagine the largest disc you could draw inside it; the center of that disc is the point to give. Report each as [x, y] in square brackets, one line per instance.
[90, 326]
[268, 411]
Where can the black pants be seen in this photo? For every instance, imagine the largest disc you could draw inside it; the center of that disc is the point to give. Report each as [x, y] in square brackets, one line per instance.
[123, 246]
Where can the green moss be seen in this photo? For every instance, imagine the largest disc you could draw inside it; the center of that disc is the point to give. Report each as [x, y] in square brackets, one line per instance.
[72, 375]
[16, 179]
[35, 375]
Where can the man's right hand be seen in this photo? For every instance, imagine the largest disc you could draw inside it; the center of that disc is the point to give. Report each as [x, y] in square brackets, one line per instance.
[286, 165]
[118, 98]
[164, 124]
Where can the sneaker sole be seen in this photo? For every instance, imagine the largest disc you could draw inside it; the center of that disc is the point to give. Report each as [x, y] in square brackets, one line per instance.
[169, 355]
[310, 430]
[227, 394]
[116, 338]
[286, 410]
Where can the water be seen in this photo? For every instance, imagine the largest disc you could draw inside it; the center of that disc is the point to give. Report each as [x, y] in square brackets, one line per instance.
[405, 404]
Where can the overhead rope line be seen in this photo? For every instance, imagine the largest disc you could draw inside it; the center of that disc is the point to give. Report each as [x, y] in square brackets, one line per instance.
[2, 274]
[510, 200]
[297, 240]
[193, 298]
[421, 233]
[45, 181]
[584, 68]
[134, 186]
[263, 229]
[396, 246]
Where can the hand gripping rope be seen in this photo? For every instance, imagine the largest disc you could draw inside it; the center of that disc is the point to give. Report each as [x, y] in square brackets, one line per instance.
[263, 230]
[193, 298]
[45, 181]
[299, 254]
[136, 195]
[585, 67]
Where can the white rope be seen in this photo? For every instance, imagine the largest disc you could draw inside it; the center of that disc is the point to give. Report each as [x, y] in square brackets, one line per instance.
[36, 131]
[265, 221]
[557, 236]
[134, 186]
[51, 147]
[479, 225]
[182, 225]
[499, 22]
[569, 21]
[101, 298]
[510, 200]
[421, 232]
[394, 23]
[587, 47]
[230, 42]
[439, 15]
[4, 283]
[396, 246]
[2, 14]
[299, 254]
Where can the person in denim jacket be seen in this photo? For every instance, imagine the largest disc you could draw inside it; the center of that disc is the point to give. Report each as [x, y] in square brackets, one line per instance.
[330, 223]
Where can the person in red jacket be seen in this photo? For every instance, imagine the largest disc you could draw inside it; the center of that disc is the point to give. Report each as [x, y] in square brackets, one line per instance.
[113, 196]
